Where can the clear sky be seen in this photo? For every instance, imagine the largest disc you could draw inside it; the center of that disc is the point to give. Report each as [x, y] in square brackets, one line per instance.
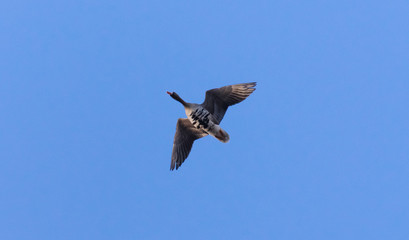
[319, 151]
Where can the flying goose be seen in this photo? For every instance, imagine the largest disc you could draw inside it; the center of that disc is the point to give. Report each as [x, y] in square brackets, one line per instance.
[204, 119]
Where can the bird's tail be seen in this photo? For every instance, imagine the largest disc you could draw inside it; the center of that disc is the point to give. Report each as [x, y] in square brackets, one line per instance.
[222, 135]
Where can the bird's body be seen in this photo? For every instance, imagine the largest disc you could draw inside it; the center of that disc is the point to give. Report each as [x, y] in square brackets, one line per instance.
[198, 116]
[204, 119]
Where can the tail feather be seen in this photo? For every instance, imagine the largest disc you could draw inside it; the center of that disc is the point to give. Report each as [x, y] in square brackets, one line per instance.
[222, 135]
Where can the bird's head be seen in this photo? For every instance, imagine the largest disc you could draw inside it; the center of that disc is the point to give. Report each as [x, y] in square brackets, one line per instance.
[176, 97]
[173, 95]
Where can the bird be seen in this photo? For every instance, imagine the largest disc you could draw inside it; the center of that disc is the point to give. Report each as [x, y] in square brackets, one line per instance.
[204, 119]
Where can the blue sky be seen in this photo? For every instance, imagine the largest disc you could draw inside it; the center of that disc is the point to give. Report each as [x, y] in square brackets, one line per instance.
[319, 151]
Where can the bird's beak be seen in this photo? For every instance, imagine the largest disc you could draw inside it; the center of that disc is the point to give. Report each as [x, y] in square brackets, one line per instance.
[168, 92]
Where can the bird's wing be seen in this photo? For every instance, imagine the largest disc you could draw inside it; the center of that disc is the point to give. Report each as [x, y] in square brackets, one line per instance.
[219, 99]
[185, 135]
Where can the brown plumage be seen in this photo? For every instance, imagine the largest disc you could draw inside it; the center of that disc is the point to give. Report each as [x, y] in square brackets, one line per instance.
[204, 119]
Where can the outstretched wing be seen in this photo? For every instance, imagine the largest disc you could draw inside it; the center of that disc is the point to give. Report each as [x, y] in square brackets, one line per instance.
[219, 99]
[185, 135]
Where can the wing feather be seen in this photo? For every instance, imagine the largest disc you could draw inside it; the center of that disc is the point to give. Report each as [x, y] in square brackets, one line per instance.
[219, 99]
[185, 135]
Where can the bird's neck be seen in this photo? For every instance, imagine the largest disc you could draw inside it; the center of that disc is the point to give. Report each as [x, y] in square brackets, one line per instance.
[179, 99]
